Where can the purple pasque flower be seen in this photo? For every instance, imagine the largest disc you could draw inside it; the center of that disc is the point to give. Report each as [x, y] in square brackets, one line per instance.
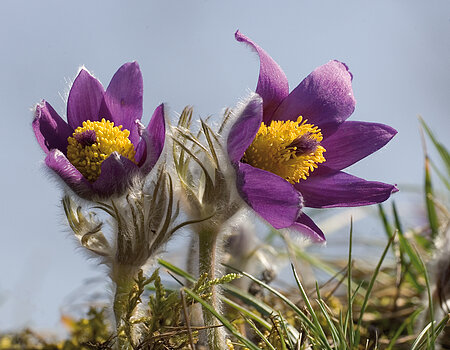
[289, 149]
[102, 146]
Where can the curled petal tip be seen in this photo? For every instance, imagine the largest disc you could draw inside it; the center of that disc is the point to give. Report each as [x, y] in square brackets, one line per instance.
[50, 130]
[272, 84]
[307, 227]
[38, 108]
[345, 66]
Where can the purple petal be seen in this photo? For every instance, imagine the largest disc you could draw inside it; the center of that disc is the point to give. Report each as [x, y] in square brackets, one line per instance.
[273, 198]
[58, 162]
[116, 175]
[245, 128]
[354, 141]
[85, 99]
[306, 226]
[150, 147]
[324, 98]
[342, 190]
[123, 98]
[51, 131]
[272, 86]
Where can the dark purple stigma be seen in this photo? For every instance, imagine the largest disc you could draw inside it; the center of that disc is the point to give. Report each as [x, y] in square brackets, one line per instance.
[304, 144]
[86, 138]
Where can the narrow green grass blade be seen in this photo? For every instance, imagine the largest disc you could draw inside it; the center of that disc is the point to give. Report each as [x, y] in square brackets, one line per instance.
[248, 343]
[351, 334]
[310, 325]
[400, 329]
[260, 306]
[430, 297]
[445, 155]
[441, 325]
[176, 270]
[247, 313]
[434, 334]
[369, 289]
[285, 330]
[421, 336]
[384, 219]
[310, 308]
[431, 208]
[249, 299]
[441, 176]
[344, 323]
[412, 279]
[343, 331]
[404, 244]
[406, 249]
[283, 342]
[333, 330]
[257, 331]
[320, 264]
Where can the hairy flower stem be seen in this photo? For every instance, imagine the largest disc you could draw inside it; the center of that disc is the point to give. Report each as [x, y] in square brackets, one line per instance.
[124, 282]
[208, 250]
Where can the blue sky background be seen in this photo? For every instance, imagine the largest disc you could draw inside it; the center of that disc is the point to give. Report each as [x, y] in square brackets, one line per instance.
[397, 50]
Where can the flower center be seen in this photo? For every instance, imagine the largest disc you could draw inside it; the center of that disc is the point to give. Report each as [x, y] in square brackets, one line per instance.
[93, 142]
[288, 149]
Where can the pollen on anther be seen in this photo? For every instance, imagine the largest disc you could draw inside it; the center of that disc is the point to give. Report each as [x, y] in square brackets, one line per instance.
[87, 153]
[289, 149]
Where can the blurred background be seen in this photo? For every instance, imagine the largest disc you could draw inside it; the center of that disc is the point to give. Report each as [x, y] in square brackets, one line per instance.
[398, 52]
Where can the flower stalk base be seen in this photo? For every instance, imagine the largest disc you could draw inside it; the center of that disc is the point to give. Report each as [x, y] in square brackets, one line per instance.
[124, 283]
[208, 250]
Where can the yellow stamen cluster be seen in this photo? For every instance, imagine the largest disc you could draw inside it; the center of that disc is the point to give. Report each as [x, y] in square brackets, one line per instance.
[87, 158]
[275, 149]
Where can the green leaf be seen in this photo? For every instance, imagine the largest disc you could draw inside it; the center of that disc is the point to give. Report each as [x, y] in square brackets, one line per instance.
[440, 175]
[323, 308]
[400, 329]
[248, 343]
[247, 313]
[351, 335]
[439, 146]
[326, 267]
[176, 270]
[405, 245]
[260, 306]
[292, 305]
[369, 289]
[257, 331]
[247, 298]
[310, 308]
[429, 200]
[386, 225]
[430, 298]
